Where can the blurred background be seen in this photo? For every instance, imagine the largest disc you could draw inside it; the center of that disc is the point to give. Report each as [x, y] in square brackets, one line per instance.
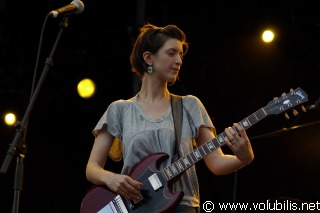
[228, 66]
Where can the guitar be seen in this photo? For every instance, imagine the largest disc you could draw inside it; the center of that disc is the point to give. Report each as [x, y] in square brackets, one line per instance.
[157, 195]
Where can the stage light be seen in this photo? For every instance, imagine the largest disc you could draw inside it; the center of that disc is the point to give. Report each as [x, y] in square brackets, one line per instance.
[10, 119]
[267, 36]
[86, 88]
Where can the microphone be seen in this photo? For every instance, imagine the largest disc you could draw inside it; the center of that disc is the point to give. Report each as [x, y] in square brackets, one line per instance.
[76, 7]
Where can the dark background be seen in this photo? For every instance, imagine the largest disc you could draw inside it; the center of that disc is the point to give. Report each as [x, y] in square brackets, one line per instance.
[227, 67]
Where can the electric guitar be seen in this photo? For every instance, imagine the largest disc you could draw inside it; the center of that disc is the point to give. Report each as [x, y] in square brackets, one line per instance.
[157, 195]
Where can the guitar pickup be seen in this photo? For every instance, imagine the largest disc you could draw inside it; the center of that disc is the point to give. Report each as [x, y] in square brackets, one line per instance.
[155, 181]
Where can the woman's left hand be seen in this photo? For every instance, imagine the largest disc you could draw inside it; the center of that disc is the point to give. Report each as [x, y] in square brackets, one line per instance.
[239, 143]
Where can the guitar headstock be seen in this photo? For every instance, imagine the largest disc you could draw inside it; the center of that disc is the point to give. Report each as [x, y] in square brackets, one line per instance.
[287, 101]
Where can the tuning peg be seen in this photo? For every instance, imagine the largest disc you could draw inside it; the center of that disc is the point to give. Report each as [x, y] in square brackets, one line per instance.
[303, 108]
[295, 112]
[287, 116]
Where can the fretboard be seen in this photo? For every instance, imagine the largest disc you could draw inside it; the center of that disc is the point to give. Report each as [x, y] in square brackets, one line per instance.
[200, 152]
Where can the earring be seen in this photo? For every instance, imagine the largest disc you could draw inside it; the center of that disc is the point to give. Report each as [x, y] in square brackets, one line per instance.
[150, 69]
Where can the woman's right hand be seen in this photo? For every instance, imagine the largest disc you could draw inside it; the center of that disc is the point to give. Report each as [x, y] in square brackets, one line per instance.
[124, 185]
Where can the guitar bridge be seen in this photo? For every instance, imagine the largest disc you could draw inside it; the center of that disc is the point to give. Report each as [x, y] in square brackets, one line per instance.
[132, 203]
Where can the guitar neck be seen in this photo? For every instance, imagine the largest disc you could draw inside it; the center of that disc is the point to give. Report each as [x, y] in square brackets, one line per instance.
[200, 152]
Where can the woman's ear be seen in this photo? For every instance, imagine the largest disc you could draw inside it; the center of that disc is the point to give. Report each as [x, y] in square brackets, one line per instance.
[147, 58]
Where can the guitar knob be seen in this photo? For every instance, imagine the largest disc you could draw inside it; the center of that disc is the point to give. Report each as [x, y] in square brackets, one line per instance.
[295, 112]
[303, 109]
[287, 116]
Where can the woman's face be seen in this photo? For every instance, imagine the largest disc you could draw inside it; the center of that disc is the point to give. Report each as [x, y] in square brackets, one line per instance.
[168, 60]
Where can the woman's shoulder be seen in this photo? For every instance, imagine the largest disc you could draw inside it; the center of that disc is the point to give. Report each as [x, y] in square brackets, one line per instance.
[190, 100]
[121, 103]
[187, 97]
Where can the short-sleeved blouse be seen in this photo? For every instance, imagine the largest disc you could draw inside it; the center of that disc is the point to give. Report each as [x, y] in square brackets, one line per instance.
[140, 136]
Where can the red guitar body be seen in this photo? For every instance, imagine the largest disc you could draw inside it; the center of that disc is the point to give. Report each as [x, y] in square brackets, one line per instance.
[154, 201]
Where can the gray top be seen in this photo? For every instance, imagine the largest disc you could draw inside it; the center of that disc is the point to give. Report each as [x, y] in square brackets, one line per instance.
[139, 136]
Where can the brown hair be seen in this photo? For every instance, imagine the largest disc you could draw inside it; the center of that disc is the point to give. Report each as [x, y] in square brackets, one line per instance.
[152, 38]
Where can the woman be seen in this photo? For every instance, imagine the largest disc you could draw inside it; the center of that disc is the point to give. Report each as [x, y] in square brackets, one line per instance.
[144, 124]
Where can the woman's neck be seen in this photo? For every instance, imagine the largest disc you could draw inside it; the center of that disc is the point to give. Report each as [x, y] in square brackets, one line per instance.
[153, 91]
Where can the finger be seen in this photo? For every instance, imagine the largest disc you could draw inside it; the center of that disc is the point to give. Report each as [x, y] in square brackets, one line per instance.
[241, 131]
[134, 183]
[124, 193]
[229, 142]
[129, 192]
[231, 133]
[238, 127]
[232, 146]
[134, 187]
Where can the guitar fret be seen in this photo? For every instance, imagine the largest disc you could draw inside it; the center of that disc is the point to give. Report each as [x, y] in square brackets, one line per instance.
[202, 151]
[261, 113]
[257, 115]
[193, 157]
[190, 158]
[211, 146]
[165, 175]
[162, 177]
[252, 119]
[216, 142]
[168, 172]
[245, 123]
[186, 162]
[220, 139]
[205, 148]
[197, 154]
[171, 168]
[180, 165]
[183, 163]
[235, 129]
[264, 112]
[174, 170]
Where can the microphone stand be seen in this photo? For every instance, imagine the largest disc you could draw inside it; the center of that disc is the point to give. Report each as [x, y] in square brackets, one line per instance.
[286, 129]
[18, 147]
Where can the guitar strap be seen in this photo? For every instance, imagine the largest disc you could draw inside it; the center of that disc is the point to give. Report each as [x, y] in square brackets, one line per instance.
[177, 114]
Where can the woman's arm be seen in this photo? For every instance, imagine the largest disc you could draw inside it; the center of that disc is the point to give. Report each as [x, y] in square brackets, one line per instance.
[220, 163]
[95, 172]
